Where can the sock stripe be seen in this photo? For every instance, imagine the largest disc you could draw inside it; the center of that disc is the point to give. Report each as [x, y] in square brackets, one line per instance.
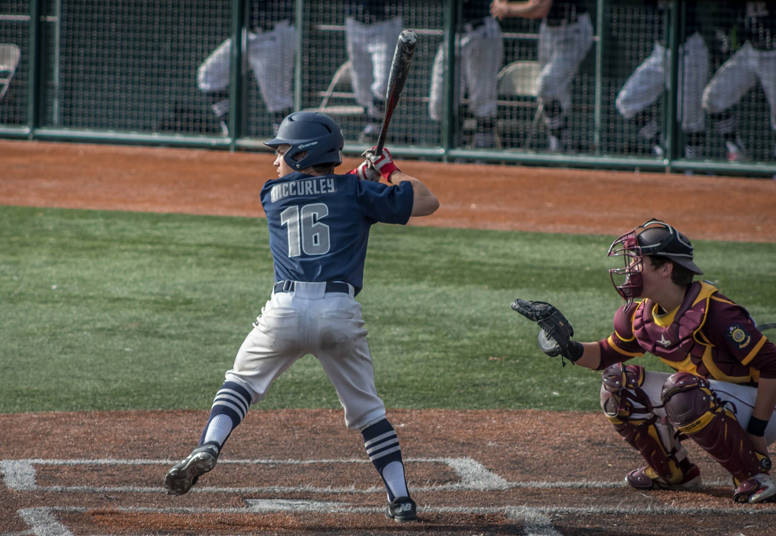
[384, 453]
[377, 439]
[228, 396]
[383, 445]
[239, 389]
[239, 413]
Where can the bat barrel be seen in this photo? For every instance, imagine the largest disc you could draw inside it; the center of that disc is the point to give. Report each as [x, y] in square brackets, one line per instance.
[400, 67]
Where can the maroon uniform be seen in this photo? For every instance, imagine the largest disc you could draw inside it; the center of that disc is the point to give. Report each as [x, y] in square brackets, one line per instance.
[723, 391]
[709, 335]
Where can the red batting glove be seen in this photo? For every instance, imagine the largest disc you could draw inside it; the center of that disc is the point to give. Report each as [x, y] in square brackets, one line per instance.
[366, 172]
[383, 163]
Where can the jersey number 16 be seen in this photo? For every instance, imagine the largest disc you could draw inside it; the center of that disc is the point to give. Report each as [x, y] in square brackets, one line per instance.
[306, 233]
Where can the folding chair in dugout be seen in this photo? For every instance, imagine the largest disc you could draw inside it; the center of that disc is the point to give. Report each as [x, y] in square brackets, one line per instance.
[517, 89]
[340, 89]
[9, 61]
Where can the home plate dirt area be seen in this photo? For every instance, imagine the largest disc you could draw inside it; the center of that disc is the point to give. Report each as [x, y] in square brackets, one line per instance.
[301, 472]
[285, 472]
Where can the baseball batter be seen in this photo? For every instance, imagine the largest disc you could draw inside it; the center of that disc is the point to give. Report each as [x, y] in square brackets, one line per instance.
[319, 224]
[565, 37]
[636, 99]
[371, 30]
[479, 53]
[723, 393]
[754, 62]
[271, 44]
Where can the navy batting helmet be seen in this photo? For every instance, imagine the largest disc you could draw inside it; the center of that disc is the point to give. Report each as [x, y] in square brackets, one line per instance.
[314, 139]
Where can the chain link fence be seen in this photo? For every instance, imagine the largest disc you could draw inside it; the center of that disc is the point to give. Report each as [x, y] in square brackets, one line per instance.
[678, 85]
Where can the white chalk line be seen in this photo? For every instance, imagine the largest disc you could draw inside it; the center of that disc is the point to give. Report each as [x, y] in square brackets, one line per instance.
[537, 520]
[20, 475]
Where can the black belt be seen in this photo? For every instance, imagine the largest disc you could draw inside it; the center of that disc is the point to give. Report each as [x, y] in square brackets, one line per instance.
[331, 286]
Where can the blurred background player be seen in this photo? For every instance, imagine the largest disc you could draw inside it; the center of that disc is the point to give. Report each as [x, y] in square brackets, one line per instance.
[479, 53]
[565, 37]
[271, 44]
[723, 393]
[754, 61]
[371, 30]
[636, 100]
[319, 224]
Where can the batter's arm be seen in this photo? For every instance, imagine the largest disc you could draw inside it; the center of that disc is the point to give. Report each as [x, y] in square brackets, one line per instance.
[529, 9]
[424, 200]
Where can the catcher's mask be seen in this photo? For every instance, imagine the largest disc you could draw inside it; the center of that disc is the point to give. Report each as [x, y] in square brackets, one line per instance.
[314, 139]
[653, 237]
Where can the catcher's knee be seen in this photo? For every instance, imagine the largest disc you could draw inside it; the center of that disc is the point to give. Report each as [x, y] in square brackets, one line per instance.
[688, 401]
[693, 408]
[621, 392]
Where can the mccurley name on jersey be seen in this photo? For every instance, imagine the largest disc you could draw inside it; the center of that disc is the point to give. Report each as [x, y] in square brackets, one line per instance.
[314, 186]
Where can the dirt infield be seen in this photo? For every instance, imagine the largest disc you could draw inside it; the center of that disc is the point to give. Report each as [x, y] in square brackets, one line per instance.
[488, 197]
[302, 472]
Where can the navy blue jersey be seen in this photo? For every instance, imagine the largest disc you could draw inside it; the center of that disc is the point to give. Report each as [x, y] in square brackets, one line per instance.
[319, 225]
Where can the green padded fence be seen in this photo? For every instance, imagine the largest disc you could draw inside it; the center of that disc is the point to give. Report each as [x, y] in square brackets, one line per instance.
[132, 72]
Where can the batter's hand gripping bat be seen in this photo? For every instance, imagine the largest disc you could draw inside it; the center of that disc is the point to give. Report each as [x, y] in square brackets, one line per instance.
[400, 68]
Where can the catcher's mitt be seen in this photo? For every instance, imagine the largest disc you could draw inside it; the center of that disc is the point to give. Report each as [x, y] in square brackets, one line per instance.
[555, 333]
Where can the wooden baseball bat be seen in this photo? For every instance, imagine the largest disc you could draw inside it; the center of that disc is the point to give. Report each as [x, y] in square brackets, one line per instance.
[400, 68]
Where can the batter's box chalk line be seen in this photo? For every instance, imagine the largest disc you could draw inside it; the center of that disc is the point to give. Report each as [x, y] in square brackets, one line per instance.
[20, 475]
[537, 520]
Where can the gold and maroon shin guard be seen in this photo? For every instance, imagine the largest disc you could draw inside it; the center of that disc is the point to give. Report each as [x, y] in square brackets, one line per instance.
[694, 409]
[629, 409]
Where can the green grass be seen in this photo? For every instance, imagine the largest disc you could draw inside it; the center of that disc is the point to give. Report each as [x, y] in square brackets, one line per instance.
[118, 310]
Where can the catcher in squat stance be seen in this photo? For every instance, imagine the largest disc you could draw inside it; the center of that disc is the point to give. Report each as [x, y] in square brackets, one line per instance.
[723, 392]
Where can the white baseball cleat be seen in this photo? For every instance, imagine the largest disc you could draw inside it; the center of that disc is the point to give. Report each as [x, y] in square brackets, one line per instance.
[757, 489]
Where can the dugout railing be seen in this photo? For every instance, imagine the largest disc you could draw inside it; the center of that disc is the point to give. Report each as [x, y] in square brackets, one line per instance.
[125, 72]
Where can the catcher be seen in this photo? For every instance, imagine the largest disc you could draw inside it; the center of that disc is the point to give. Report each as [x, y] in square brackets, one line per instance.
[723, 392]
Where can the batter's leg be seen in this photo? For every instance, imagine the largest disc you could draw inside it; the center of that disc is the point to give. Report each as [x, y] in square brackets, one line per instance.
[345, 357]
[229, 407]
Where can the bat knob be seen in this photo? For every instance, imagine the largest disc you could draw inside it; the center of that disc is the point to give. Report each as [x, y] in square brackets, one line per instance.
[408, 36]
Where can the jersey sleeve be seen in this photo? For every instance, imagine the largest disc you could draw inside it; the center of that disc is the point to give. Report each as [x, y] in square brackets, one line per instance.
[383, 203]
[732, 330]
[621, 345]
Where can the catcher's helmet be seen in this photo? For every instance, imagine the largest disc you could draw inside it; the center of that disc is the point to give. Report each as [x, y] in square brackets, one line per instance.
[651, 238]
[314, 138]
